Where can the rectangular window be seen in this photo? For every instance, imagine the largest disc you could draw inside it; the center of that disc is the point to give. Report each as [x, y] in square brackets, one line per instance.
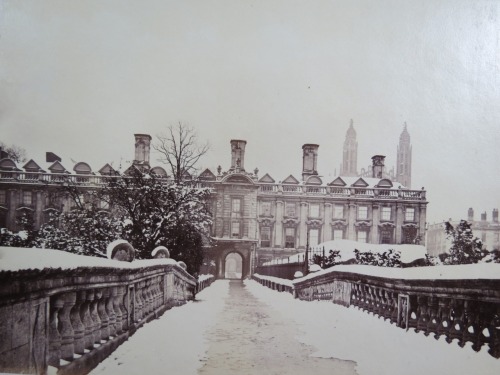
[3, 197]
[338, 234]
[27, 197]
[314, 210]
[362, 212]
[265, 208]
[410, 214]
[313, 237]
[235, 229]
[338, 212]
[290, 209]
[265, 237]
[236, 205]
[290, 238]
[386, 236]
[362, 236]
[386, 213]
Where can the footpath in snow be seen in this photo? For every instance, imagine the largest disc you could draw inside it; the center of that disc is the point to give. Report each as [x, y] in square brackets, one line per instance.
[377, 347]
[236, 328]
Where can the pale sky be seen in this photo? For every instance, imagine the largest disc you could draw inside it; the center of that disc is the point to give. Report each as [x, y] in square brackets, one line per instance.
[79, 78]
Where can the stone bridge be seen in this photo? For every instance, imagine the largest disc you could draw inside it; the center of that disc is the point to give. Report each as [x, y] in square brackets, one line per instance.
[72, 318]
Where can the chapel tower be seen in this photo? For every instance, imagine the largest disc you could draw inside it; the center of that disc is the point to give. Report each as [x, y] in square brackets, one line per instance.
[403, 168]
[350, 155]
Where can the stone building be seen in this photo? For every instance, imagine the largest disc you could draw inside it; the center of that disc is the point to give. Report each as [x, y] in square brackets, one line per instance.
[256, 218]
[488, 231]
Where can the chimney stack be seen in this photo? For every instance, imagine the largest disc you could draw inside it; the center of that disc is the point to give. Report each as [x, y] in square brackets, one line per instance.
[377, 166]
[309, 160]
[238, 155]
[495, 215]
[470, 215]
[142, 149]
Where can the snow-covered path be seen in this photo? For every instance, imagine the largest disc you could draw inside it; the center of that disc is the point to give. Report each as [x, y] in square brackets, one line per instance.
[232, 329]
[252, 338]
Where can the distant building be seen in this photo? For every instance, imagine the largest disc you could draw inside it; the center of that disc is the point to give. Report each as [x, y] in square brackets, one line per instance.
[488, 231]
[258, 218]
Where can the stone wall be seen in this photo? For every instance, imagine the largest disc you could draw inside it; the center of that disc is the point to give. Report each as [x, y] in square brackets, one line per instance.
[73, 319]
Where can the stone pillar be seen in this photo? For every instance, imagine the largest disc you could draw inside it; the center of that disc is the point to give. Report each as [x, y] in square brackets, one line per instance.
[302, 230]
[351, 232]
[421, 222]
[39, 206]
[13, 203]
[399, 223]
[376, 220]
[278, 225]
[326, 233]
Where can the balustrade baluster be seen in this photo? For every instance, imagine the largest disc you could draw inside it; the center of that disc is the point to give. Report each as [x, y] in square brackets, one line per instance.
[87, 321]
[118, 295]
[66, 329]
[433, 322]
[443, 317]
[456, 320]
[77, 324]
[56, 304]
[422, 317]
[96, 332]
[111, 311]
[101, 309]
[138, 302]
[494, 323]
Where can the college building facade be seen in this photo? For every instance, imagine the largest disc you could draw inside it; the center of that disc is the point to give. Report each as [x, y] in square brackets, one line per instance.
[256, 217]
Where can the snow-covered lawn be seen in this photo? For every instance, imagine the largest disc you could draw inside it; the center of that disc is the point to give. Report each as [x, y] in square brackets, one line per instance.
[377, 347]
[172, 344]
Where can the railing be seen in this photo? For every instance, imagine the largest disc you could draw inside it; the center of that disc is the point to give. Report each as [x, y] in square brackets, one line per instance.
[73, 319]
[280, 285]
[342, 191]
[462, 310]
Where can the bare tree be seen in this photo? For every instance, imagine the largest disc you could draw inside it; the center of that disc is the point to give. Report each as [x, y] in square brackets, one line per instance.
[16, 153]
[180, 149]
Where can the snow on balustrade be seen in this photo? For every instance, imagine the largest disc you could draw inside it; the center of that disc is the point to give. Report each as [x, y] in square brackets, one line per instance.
[74, 310]
[459, 302]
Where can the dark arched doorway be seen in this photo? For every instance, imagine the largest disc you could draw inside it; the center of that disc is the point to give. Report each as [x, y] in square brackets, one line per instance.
[233, 266]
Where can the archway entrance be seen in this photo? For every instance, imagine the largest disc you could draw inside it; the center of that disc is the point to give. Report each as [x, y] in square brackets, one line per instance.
[233, 267]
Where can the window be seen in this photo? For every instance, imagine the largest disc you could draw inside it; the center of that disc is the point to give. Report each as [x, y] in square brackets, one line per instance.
[386, 213]
[338, 234]
[265, 236]
[236, 205]
[235, 229]
[27, 197]
[265, 208]
[362, 235]
[338, 212]
[386, 235]
[363, 212]
[483, 237]
[290, 209]
[409, 235]
[314, 210]
[313, 237]
[289, 237]
[410, 214]
[3, 197]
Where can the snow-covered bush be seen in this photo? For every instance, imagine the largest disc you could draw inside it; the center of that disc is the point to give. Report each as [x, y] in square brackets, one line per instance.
[465, 248]
[327, 261]
[388, 258]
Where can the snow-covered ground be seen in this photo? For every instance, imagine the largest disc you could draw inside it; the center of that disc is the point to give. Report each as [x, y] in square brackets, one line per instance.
[377, 347]
[174, 344]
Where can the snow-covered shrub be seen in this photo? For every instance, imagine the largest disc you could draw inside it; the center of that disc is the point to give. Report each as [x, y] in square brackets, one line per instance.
[465, 248]
[388, 258]
[327, 261]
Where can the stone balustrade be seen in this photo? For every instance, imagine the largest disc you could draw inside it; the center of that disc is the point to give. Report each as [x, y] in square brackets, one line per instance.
[458, 309]
[73, 319]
